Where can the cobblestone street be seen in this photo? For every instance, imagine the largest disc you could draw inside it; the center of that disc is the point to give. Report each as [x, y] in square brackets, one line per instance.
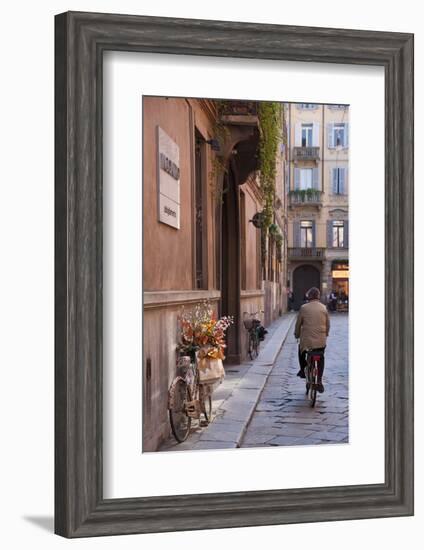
[283, 415]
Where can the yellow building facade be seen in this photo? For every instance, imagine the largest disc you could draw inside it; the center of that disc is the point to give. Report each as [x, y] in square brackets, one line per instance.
[318, 199]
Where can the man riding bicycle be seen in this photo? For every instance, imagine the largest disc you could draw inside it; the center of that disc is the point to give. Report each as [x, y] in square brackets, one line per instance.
[312, 327]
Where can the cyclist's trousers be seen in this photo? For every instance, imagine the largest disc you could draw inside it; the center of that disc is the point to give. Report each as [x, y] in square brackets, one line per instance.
[302, 361]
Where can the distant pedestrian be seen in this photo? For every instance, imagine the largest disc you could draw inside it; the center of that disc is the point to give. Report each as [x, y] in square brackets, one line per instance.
[333, 301]
[290, 300]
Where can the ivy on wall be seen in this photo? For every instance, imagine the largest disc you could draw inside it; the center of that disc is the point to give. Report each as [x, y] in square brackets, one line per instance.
[276, 235]
[218, 166]
[269, 114]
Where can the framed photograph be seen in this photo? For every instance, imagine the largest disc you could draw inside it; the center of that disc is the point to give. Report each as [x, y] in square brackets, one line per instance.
[234, 274]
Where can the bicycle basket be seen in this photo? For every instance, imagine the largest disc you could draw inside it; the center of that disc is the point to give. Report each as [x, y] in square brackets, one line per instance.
[251, 323]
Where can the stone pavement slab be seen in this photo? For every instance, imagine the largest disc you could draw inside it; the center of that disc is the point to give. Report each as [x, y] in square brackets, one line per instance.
[234, 401]
[283, 415]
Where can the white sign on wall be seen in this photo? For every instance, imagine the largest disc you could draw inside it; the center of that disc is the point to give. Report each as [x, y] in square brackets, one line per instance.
[168, 180]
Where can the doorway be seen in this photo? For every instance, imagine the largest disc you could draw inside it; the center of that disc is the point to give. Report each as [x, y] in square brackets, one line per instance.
[304, 277]
[230, 265]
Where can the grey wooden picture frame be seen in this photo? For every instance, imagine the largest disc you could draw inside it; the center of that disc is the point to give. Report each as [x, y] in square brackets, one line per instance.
[80, 40]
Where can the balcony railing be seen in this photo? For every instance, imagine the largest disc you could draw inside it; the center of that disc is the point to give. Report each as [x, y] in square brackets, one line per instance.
[306, 197]
[302, 253]
[306, 153]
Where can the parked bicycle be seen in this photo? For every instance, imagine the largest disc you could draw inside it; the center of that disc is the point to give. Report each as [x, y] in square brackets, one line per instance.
[188, 399]
[313, 359]
[255, 332]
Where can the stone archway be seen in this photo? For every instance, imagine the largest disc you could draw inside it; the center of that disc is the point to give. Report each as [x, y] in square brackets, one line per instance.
[304, 277]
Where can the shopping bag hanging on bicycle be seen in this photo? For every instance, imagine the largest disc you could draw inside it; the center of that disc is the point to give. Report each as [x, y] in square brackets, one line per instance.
[211, 369]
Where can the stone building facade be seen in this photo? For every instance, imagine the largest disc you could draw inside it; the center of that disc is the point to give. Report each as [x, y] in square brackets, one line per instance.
[318, 199]
[201, 191]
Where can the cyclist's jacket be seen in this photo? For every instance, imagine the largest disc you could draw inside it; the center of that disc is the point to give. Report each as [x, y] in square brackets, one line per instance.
[312, 325]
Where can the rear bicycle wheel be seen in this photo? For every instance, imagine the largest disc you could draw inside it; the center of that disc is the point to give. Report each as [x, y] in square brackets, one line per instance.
[206, 402]
[251, 347]
[313, 396]
[257, 343]
[314, 383]
[178, 417]
[307, 379]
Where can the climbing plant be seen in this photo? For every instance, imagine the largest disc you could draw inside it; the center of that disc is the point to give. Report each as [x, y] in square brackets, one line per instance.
[269, 114]
[218, 168]
[276, 234]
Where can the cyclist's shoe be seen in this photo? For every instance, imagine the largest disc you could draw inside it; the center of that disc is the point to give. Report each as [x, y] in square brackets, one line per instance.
[320, 387]
[301, 373]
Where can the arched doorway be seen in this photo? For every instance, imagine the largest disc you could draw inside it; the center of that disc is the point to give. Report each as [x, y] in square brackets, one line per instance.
[230, 264]
[304, 277]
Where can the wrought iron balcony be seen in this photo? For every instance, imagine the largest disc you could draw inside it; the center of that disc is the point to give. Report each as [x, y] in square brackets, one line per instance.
[313, 253]
[310, 197]
[305, 153]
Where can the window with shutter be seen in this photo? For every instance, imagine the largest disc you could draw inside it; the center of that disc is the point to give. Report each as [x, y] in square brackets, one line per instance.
[306, 234]
[339, 135]
[338, 234]
[338, 176]
[306, 138]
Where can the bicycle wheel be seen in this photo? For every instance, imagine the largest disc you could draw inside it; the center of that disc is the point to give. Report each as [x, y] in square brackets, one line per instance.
[257, 344]
[251, 346]
[313, 396]
[178, 418]
[314, 382]
[206, 404]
